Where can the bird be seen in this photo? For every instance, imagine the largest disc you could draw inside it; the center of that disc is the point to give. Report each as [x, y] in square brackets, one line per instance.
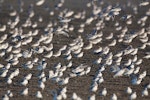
[9, 49]
[89, 46]
[71, 28]
[49, 55]
[113, 43]
[64, 96]
[128, 62]
[104, 92]
[63, 48]
[129, 90]
[119, 73]
[69, 64]
[8, 66]
[102, 69]
[144, 40]
[101, 80]
[80, 55]
[105, 50]
[3, 37]
[128, 72]
[41, 75]
[75, 97]
[94, 87]
[110, 36]
[133, 96]
[51, 74]
[126, 17]
[64, 81]
[40, 2]
[92, 97]
[138, 62]
[47, 41]
[136, 70]
[68, 57]
[2, 29]
[145, 92]
[42, 85]
[1, 65]
[147, 56]
[98, 61]
[93, 35]
[63, 68]
[5, 97]
[69, 13]
[39, 95]
[13, 13]
[65, 20]
[63, 92]
[9, 93]
[77, 51]
[67, 52]
[142, 75]
[4, 73]
[57, 54]
[114, 97]
[135, 58]
[89, 20]
[9, 81]
[24, 82]
[96, 41]
[87, 70]
[119, 54]
[144, 3]
[28, 77]
[98, 50]
[25, 92]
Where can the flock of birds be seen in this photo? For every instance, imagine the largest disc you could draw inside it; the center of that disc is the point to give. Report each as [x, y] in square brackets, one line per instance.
[27, 46]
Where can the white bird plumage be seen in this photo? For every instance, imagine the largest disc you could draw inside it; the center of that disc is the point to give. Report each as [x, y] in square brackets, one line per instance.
[129, 90]
[25, 92]
[104, 92]
[39, 95]
[133, 96]
[114, 97]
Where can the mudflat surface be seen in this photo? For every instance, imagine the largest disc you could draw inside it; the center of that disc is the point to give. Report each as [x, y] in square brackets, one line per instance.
[80, 84]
